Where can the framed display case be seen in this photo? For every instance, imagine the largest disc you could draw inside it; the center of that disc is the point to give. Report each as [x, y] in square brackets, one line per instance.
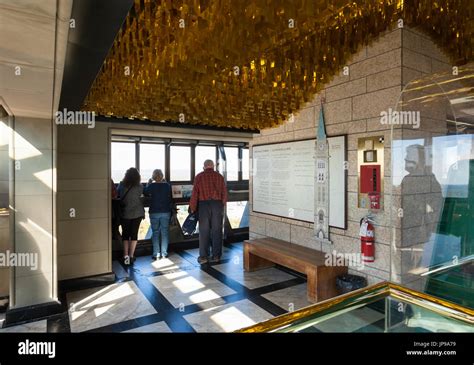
[384, 307]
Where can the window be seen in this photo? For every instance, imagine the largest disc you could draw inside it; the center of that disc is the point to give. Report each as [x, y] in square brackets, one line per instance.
[238, 214]
[232, 163]
[123, 157]
[245, 164]
[203, 153]
[180, 163]
[152, 156]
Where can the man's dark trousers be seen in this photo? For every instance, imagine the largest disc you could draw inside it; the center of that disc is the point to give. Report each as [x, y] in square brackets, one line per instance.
[210, 227]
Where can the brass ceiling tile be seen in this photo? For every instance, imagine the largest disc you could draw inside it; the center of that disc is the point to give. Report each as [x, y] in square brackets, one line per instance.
[250, 65]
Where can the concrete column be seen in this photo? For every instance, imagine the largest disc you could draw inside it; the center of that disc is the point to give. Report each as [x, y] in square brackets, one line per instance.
[33, 206]
[33, 47]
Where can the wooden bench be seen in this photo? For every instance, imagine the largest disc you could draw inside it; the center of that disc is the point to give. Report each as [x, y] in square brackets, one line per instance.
[266, 252]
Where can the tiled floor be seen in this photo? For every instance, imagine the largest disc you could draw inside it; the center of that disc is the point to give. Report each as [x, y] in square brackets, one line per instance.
[255, 279]
[176, 294]
[182, 288]
[228, 317]
[102, 306]
[291, 298]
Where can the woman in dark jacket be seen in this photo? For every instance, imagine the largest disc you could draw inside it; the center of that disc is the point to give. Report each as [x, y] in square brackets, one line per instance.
[160, 213]
[130, 191]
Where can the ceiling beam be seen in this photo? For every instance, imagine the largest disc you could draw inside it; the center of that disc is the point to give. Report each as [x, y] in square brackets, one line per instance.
[96, 22]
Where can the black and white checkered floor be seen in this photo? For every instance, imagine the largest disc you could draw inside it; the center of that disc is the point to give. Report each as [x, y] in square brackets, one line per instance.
[176, 294]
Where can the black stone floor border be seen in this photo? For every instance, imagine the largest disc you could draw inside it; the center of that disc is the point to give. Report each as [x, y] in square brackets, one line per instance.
[245, 293]
[174, 317]
[170, 314]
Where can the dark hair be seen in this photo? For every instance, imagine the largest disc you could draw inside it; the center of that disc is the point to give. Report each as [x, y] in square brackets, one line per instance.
[132, 177]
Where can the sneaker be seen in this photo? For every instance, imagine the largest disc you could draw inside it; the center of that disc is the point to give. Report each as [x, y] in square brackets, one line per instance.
[154, 258]
[132, 260]
[215, 259]
[165, 255]
[202, 260]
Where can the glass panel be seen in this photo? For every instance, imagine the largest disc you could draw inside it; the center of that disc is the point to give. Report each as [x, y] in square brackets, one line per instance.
[238, 214]
[152, 156]
[122, 158]
[367, 318]
[379, 308]
[203, 153]
[245, 164]
[383, 315]
[232, 156]
[180, 163]
[433, 188]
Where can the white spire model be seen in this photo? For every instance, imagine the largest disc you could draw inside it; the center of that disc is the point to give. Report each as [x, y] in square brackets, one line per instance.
[321, 184]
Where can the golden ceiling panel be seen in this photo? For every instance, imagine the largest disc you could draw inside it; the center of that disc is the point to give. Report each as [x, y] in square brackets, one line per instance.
[250, 63]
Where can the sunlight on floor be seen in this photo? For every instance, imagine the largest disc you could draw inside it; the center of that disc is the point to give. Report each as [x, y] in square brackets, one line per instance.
[164, 264]
[204, 296]
[103, 299]
[188, 284]
[231, 319]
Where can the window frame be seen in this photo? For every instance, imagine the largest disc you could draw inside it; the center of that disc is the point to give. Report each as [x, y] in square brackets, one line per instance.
[192, 144]
[241, 167]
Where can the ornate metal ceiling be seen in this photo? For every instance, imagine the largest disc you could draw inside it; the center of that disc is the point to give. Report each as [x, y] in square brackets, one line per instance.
[250, 63]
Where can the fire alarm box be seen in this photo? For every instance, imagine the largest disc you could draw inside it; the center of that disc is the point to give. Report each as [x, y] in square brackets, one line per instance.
[369, 179]
[370, 169]
[374, 200]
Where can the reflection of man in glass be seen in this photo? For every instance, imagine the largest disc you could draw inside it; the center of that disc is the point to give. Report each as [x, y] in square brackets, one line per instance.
[422, 198]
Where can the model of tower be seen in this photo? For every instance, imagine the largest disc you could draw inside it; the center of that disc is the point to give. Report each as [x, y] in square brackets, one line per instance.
[321, 184]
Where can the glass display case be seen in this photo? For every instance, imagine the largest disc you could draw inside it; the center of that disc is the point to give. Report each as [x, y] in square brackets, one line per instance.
[383, 307]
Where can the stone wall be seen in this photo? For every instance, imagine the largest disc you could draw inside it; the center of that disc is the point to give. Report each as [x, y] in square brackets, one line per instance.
[84, 243]
[377, 74]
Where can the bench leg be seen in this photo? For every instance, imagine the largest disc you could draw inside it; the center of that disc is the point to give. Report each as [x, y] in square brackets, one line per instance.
[312, 285]
[322, 282]
[253, 262]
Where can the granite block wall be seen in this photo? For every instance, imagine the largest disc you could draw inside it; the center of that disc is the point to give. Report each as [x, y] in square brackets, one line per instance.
[377, 75]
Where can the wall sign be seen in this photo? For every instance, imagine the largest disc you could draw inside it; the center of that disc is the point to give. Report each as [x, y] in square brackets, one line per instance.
[284, 177]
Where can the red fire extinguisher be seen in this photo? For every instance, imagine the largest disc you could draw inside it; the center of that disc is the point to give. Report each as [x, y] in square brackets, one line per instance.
[367, 240]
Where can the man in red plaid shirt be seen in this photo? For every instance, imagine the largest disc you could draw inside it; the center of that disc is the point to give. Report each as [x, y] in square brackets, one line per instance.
[209, 198]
